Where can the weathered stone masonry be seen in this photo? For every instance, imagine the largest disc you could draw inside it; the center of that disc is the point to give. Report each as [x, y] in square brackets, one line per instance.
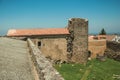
[60, 45]
[44, 68]
[78, 40]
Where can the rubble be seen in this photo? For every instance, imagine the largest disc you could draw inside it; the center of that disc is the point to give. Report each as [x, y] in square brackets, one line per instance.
[113, 50]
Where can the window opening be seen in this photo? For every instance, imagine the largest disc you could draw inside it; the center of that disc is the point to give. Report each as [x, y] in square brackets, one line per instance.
[39, 43]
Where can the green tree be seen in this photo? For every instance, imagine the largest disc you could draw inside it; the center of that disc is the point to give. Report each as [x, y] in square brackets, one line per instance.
[102, 32]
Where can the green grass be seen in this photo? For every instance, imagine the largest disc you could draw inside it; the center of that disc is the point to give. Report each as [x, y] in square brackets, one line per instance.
[93, 70]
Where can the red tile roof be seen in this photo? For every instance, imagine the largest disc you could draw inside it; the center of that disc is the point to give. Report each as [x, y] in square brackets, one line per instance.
[29, 32]
[110, 37]
[107, 37]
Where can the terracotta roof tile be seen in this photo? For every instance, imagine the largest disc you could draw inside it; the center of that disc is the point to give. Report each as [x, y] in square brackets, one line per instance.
[110, 37]
[28, 32]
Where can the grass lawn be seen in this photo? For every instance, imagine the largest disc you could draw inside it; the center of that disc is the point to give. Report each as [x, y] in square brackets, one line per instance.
[93, 70]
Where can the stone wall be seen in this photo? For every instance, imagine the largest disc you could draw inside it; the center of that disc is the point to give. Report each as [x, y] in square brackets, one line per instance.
[53, 48]
[96, 47]
[44, 68]
[78, 29]
[113, 50]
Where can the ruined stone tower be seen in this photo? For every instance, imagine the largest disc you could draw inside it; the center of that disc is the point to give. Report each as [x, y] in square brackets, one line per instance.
[78, 29]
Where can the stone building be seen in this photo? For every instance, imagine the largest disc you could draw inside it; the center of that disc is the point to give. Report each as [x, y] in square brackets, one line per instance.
[59, 44]
[98, 44]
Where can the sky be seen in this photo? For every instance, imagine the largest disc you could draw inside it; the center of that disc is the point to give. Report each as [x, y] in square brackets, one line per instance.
[27, 14]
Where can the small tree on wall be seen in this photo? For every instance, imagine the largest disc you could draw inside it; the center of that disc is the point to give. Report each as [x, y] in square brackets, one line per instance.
[102, 32]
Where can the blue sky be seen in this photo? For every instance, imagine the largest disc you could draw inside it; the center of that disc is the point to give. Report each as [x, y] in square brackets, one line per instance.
[24, 14]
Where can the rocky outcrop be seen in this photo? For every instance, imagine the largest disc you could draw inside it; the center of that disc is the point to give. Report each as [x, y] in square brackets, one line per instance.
[44, 68]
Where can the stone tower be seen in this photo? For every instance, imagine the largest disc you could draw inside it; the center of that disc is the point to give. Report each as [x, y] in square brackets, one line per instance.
[78, 29]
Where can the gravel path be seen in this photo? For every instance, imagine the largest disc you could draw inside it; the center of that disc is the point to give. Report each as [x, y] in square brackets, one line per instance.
[15, 63]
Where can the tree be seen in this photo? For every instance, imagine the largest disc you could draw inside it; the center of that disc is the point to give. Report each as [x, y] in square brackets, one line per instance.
[102, 32]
